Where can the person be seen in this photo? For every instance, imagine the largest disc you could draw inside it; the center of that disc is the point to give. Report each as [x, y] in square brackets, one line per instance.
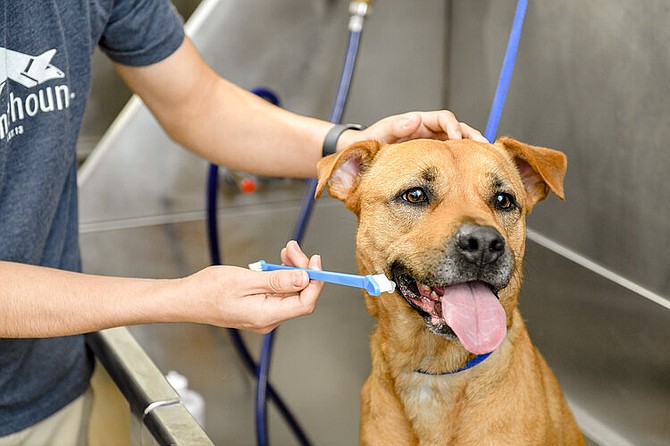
[46, 303]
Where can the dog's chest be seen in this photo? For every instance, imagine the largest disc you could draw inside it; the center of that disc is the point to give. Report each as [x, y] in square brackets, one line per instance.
[433, 405]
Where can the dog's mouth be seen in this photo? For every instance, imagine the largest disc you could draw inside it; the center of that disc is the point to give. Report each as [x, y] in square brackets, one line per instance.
[469, 310]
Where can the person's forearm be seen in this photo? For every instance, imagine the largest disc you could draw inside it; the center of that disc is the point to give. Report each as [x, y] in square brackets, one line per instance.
[44, 302]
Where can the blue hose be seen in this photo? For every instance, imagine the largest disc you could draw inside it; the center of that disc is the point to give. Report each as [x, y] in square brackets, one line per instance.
[345, 78]
[336, 114]
[263, 376]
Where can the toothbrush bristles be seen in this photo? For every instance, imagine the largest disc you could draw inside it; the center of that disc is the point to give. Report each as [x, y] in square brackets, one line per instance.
[256, 266]
[385, 285]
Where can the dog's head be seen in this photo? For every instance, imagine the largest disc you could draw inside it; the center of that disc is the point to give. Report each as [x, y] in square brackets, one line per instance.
[445, 220]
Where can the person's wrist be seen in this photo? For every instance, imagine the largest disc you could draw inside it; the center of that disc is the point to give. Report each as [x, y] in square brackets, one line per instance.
[330, 142]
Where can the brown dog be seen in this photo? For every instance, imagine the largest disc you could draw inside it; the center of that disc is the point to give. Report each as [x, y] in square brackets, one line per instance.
[446, 220]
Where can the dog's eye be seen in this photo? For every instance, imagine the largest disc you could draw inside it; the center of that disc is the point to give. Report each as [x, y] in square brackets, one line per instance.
[415, 195]
[504, 201]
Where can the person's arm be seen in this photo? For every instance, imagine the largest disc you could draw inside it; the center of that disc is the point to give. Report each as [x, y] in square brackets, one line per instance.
[223, 122]
[233, 127]
[42, 302]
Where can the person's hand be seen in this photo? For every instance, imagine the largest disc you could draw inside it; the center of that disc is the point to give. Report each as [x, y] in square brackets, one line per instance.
[229, 296]
[440, 124]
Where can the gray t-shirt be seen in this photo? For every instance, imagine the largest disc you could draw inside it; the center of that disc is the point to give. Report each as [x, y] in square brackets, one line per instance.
[45, 73]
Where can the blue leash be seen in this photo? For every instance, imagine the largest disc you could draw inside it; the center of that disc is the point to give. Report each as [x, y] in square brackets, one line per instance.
[506, 71]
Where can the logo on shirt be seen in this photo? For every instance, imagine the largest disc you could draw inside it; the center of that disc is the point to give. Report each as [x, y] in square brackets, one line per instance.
[31, 72]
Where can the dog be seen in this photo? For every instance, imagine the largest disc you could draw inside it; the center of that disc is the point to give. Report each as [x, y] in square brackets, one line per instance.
[446, 221]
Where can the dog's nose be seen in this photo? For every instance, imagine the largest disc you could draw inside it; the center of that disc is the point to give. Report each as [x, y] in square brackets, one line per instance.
[480, 244]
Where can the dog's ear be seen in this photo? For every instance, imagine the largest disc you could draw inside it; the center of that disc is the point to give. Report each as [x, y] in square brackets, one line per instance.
[341, 171]
[541, 169]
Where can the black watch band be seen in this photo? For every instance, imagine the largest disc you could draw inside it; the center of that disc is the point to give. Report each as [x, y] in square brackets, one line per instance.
[330, 141]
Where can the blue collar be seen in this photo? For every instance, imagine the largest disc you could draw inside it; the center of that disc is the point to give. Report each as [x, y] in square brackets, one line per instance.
[471, 363]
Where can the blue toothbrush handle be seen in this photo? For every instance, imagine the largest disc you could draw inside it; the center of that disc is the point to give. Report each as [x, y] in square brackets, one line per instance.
[366, 282]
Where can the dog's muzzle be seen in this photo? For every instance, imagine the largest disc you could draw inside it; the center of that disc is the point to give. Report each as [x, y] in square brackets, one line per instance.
[457, 294]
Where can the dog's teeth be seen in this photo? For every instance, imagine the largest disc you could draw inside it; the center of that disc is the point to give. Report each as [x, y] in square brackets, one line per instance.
[434, 296]
[423, 288]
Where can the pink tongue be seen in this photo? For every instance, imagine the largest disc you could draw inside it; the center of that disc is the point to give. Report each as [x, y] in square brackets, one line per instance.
[475, 315]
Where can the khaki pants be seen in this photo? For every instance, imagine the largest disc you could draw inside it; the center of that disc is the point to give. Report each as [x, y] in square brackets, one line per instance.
[67, 427]
[102, 414]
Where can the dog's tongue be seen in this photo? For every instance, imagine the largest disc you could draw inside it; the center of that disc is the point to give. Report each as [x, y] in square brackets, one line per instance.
[475, 315]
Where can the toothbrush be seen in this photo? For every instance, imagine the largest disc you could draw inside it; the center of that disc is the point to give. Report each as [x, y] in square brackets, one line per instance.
[374, 284]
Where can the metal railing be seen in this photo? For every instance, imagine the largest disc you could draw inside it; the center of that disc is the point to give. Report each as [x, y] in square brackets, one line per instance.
[158, 416]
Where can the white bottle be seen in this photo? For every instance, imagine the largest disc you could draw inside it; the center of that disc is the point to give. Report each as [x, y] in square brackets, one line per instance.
[192, 400]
